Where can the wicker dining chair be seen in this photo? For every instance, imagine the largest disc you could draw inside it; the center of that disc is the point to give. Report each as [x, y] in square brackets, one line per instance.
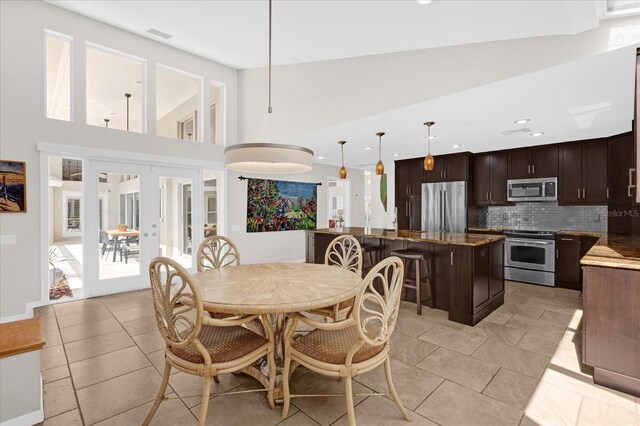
[197, 344]
[217, 252]
[353, 346]
[344, 252]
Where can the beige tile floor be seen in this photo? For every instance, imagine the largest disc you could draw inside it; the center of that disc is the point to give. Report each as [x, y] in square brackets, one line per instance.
[520, 365]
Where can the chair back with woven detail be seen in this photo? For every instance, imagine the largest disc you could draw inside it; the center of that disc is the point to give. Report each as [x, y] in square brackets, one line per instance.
[217, 252]
[345, 252]
[378, 301]
[177, 303]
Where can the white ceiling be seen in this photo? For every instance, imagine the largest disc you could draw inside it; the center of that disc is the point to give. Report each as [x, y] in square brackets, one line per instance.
[235, 32]
[588, 98]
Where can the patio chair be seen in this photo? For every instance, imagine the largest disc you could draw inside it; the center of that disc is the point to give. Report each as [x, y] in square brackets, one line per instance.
[344, 252]
[356, 345]
[108, 244]
[197, 344]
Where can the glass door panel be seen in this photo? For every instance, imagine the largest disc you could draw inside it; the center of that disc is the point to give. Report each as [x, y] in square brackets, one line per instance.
[176, 217]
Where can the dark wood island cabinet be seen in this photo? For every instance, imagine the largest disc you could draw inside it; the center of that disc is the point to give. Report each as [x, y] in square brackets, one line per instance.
[466, 269]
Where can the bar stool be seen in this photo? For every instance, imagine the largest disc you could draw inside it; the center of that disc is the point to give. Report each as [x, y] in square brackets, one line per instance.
[418, 257]
[372, 251]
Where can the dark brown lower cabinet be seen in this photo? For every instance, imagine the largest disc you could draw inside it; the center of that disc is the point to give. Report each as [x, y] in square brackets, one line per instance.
[611, 327]
[569, 250]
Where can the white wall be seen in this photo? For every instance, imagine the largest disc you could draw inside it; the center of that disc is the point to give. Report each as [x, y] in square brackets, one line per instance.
[23, 125]
[285, 246]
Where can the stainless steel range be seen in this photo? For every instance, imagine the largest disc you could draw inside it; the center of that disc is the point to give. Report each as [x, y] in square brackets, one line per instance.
[530, 257]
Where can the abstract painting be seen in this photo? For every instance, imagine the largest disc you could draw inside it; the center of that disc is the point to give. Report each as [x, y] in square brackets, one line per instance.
[13, 183]
[275, 205]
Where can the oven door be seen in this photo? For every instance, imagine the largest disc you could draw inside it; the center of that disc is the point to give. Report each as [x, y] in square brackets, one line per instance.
[530, 254]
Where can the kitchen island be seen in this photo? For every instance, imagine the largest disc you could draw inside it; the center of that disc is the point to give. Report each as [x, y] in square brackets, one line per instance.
[467, 270]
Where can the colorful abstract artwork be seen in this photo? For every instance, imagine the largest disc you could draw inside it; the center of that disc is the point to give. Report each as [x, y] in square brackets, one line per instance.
[275, 205]
[13, 181]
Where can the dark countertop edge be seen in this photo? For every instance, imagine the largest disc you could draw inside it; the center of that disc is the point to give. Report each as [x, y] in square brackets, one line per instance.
[613, 242]
[486, 239]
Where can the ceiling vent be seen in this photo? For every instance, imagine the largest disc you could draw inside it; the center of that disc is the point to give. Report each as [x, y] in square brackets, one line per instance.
[159, 33]
[523, 131]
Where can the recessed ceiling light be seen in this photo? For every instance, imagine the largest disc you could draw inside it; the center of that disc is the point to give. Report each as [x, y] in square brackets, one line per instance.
[456, 146]
[396, 155]
[368, 148]
[321, 158]
[431, 137]
[537, 134]
[424, 1]
[522, 121]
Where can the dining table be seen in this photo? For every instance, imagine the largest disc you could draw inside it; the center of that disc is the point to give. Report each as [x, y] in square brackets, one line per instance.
[277, 291]
[117, 234]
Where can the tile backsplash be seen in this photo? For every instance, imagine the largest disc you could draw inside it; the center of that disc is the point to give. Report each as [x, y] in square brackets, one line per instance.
[544, 216]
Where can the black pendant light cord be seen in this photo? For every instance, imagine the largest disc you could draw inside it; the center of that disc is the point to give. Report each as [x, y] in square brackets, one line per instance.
[270, 109]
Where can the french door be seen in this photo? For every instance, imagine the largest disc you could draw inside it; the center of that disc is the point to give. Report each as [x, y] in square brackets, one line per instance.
[151, 211]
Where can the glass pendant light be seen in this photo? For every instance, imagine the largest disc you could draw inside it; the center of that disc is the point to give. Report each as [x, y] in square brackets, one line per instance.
[380, 165]
[429, 161]
[343, 170]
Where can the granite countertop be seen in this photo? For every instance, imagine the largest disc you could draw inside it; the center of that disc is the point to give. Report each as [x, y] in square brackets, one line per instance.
[614, 251]
[594, 234]
[416, 236]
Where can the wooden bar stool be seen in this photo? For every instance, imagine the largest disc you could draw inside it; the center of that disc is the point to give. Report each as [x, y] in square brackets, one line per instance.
[372, 251]
[418, 257]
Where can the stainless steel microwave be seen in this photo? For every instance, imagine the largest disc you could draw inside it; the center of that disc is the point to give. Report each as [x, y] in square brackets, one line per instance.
[540, 189]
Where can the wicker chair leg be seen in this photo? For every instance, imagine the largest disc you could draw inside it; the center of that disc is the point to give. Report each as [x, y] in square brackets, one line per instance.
[348, 390]
[285, 387]
[392, 390]
[160, 396]
[272, 379]
[204, 401]
[216, 379]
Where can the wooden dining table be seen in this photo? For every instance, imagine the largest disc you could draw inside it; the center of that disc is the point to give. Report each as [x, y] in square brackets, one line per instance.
[116, 234]
[278, 291]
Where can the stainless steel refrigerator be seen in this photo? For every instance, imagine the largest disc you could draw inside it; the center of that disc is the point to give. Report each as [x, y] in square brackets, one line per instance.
[444, 207]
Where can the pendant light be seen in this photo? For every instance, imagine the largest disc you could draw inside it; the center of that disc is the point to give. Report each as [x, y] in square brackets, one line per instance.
[343, 170]
[268, 157]
[429, 161]
[380, 164]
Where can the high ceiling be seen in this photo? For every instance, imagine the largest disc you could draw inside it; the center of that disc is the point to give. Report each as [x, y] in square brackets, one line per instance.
[235, 32]
[573, 101]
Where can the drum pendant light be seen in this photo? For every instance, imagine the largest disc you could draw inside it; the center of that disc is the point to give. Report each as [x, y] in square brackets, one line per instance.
[380, 164]
[343, 170]
[268, 157]
[429, 161]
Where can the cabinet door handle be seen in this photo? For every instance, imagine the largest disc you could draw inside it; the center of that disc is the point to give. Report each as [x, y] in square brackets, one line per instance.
[607, 193]
[487, 196]
[445, 174]
[578, 193]
[533, 169]
[557, 254]
[631, 185]
[407, 211]
[490, 195]
[451, 258]
[528, 169]
[584, 191]
[566, 239]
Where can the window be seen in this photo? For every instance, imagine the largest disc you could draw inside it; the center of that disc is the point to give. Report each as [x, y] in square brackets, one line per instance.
[73, 215]
[130, 209]
[115, 90]
[215, 113]
[71, 170]
[58, 76]
[178, 98]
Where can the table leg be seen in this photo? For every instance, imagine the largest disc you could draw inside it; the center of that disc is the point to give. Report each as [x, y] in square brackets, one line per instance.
[115, 247]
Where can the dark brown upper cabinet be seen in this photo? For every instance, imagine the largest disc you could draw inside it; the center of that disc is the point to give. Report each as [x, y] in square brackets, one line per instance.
[490, 178]
[409, 178]
[582, 177]
[450, 168]
[620, 178]
[533, 162]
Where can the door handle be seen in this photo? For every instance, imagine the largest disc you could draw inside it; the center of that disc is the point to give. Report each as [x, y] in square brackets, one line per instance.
[607, 192]
[557, 254]
[490, 195]
[533, 169]
[146, 234]
[566, 239]
[529, 169]
[631, 185]
[451, 258]
[584, 191]
[487, 196]
[154, 234]
[578, 193]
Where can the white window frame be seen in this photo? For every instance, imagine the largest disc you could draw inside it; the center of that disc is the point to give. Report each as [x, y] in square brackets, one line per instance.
[199, 103]
[222, 105]
[69, 39]
[77, 195]
[122, 55]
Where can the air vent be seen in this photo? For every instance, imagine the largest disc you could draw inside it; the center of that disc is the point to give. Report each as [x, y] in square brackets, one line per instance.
[159, 33]
[523, 131]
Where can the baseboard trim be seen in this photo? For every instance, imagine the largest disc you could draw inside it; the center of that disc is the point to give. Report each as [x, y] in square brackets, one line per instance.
[31, 418]
[28, 313]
